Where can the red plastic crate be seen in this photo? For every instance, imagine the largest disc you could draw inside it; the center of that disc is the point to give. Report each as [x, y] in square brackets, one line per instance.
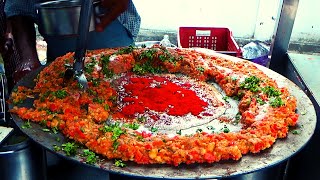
[218, 39]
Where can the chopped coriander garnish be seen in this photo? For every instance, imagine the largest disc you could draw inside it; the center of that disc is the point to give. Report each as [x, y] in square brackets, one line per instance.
[167, 56]
[70, 148]
[225, 129]
[113, 98]
[133, 126]
[119, 163]
[55, 130]
[260, 101]
[201, 69]
[107, 72]
[80, 86]
[142, 119]
[251, 83]
[211, 128]
[91, 156]
[238, 116]
[115, 129]
[44, 96]
[198, 130]
[178, 131]
[125, 50]
[225, 98]
[115, 145]
[162, 57]
[105, 66]
[46, 130]
[17, 102]
[89, 68]
[240, 94]
[276, 102]
[296, 131]
[249, 101]
[237, 98]
[106, 107]
[148, 54]
[233, 78]
[105, 59]
[237, 119]
[43, 122]
[92, 92]
[138, 69]
[116, 133]
[271, 91]
[140, 138]
[146, 67]
[95, 81]
[98, 100]
[153, 129]
[56, 148]
[48, 111]
[61, 94]
[26, 125]
[145, 62]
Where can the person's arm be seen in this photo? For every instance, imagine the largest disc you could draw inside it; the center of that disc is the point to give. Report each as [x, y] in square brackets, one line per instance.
[23, 32]
[114, 9]
[20, 17]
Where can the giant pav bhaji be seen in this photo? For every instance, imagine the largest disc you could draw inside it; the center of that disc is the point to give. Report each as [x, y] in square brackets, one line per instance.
[160, 105]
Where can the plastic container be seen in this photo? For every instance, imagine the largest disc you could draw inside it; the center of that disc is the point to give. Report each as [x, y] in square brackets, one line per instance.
[165, 41]
[256, 52]
[217, 39]
[61, 17]
[149, 44]
[263, 61]
[20, 159]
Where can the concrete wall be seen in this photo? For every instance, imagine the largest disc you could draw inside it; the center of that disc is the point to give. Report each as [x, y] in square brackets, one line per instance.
[248, 19]
[307, 23]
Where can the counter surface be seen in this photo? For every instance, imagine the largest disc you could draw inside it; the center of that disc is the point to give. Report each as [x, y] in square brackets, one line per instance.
[308, 67]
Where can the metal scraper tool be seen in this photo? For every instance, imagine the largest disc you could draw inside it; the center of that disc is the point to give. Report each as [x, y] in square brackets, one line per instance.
[81, 46]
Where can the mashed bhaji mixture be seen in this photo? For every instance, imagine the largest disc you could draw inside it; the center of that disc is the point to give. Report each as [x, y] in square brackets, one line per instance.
[130, 93]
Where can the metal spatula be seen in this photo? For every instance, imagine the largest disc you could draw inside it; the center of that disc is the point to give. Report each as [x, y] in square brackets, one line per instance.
[81, 46]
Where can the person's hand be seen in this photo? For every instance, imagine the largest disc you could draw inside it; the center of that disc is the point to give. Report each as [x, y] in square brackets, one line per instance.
[114, 9]
[6, 44]
[26, 66]
[21, 31]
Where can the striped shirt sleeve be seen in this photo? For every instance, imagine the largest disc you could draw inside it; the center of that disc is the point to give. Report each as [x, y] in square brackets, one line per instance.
[131, 20]
[21, 7]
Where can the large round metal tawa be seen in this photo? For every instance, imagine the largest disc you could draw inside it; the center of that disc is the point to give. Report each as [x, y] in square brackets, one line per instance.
[279, 152]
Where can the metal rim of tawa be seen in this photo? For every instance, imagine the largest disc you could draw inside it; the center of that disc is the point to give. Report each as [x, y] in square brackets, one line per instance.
[279, 152]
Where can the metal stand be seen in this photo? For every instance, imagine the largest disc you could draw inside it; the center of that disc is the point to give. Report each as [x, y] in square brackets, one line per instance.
[283, 29]
[305, 164]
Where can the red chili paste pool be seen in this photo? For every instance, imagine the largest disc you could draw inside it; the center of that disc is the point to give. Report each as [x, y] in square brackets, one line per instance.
[161, 95]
